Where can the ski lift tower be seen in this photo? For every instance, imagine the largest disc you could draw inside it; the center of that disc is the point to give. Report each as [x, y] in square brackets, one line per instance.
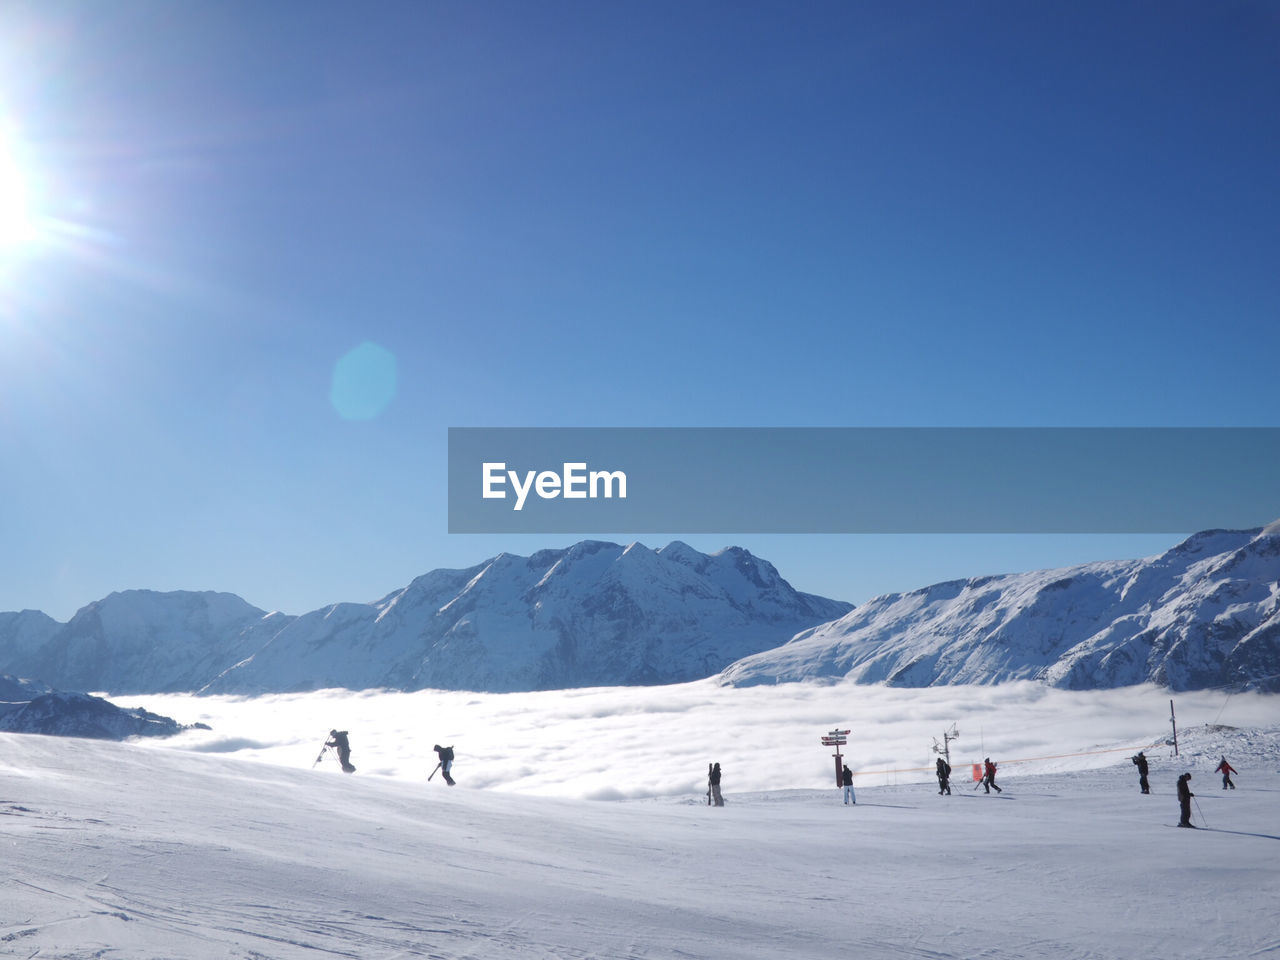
[947, 737]
[837, 739]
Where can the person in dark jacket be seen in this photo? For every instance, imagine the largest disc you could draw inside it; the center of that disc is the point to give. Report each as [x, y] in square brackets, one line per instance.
[1140, 761]
[338, 740]
[944, 777]
[446, 761]
[714, 778]
[1184, 800]
[846, 778]
[1226, 770]
[989, 775]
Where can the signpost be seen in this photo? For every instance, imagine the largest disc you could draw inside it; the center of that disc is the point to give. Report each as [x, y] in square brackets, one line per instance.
[837, 739]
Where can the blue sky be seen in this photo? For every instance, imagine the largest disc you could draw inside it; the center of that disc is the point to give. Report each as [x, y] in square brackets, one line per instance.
[571, 213]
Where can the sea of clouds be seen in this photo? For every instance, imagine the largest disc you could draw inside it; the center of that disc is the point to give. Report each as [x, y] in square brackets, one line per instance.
[656, 742]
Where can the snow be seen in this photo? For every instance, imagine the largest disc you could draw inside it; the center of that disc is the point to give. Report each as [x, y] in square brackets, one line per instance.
[1203, 614]
[593, 613]
[200, 848]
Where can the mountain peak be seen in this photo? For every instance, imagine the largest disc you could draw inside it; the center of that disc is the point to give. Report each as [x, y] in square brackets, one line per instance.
[591, 614]
[1205, 613]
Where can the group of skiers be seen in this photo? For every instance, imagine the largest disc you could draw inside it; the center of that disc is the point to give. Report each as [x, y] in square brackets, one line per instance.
[943, 769]
[340, 742]
[1184, 784]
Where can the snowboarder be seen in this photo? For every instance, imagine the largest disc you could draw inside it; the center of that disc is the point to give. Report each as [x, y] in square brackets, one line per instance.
[1140, 761]
[944, 777]
[1184, 800]
[446, 761]
[1226, 770]
[989, 775]
[714, 782]
[338, 740]
[846, 778]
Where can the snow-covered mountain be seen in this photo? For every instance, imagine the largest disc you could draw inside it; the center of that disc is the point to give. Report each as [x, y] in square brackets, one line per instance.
[1203, 614]
[143, 641]
[592, 614]
[27, 706]
[82, 715]
[23, 633]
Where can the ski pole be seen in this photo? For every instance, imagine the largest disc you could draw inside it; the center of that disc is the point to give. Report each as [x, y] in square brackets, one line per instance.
[323, 751]
[1200, 812]
[433, 772]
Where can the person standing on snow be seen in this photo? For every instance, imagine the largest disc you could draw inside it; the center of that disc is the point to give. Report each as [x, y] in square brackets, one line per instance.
[1140, 761]
[989, 775]
[1226, 770]
[846, 778]
[944, 777]
[338, 740]
[1184, 800]
[446, 761]
[714, 778]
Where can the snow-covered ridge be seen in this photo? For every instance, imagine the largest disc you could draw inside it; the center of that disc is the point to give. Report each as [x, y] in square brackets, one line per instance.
[30, 707]
[592, 614]
[1203, 614]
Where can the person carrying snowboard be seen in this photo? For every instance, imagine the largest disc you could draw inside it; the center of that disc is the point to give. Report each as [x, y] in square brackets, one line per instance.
[944, 777]
[338, 740]
[1140, 761]
[1226, 770]
[846, 778]
[446, 761]
[1184, 800]
[989, 775]
[714, 782]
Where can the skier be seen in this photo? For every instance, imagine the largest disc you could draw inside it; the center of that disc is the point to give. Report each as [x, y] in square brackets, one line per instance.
[944, 777]
[1226, 770]
[846, 778]
[446, 761]
[1184, 800]
[989, 775]
[338, 740]
[714, 780]
[1140, 761]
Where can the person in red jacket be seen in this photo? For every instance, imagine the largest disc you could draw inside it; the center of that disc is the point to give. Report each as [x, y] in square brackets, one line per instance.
[1226, 770]
[989, 775]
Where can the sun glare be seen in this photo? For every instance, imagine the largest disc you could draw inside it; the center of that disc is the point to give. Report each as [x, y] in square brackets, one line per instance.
[17, 216]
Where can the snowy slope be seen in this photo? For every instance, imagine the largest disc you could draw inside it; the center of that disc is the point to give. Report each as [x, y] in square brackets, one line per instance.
[146, 852]
[1203, 614]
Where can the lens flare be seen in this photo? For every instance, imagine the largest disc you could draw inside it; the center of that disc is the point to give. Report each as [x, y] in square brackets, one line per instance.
[17, 216]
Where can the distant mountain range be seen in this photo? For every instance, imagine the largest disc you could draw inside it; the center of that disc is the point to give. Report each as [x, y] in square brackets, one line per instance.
[593, 614]
[1204, 614]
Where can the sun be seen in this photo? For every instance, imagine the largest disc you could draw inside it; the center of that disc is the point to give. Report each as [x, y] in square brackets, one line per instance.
[17, 209]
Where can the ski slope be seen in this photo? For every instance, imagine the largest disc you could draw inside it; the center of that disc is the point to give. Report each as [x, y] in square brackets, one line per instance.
[144, 852]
